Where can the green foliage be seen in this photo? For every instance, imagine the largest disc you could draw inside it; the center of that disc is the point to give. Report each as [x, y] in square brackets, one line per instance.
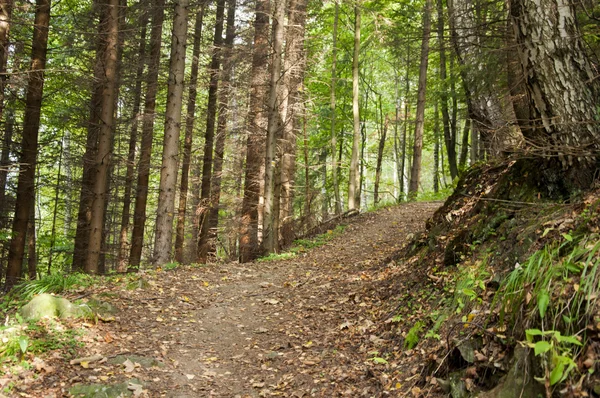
[277, 256]
[302, 245]
[470, 285]
[54, 283]
[556, 352]
[442, 194]
[414, 335]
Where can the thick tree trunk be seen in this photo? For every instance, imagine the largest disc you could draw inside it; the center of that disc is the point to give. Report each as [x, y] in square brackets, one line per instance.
[224, 114]
[274, 128]
[163, 237]
[334, 164]
[561, 85]
[449, 134]
[209, 136]
[130, 173]
[354, 178]
[257, 124]
[29, 143]
[105, 139]
[189, 134]
[415, 173]
[141, 198]
[295, 65]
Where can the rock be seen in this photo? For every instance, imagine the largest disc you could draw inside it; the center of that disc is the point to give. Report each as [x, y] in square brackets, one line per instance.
[467, 351]
[105, 390]
[458, 387]
[101, 308]
[519, 381]
[47, 305]
[143, 361]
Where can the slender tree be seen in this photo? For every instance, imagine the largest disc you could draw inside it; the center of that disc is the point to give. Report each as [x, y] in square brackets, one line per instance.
[141, 198]
[415, 173]
[354, 179]
[168, 173]
[334, 164]
[29, 143]
[257, 126]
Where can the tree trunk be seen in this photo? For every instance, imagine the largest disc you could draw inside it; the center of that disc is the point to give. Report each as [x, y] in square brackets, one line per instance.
[415, 173]
[189, 134]
[354, 178]
[295, 64]
[257, 123]
[449, 134]
[274, 127]
[464, 150]
[209, 136]
[163, 237]
[224, 95]
[334, 164]
[380, 149]
[436, 149]
[405, 127]
[31, 243]
[105, 138]
[130, 173]
[29, 143]
[561, 84]
[141, 198]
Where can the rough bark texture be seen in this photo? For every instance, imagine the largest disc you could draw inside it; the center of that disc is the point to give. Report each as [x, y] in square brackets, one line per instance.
[141, 198]
[334, 164]
[105, 138]
[257, 123]
[415, 173]
[209, 136]
[224, 114]
[130, 173]
[275, 124]
[380, 149]
[294, 66]
[354, 178]
[561, 85]
[29, 143]
[189, 134]
[5, 15]
[163, 236]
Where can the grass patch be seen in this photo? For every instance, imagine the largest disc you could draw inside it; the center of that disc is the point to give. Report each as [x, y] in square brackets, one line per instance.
[303, 245]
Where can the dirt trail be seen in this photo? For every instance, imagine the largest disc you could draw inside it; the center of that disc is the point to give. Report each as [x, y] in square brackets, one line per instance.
[305, 326]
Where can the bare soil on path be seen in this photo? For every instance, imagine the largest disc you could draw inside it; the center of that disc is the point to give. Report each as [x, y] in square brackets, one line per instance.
[305, 326]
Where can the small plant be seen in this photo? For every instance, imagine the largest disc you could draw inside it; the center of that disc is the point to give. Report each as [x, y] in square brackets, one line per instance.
[377, 359]
[414, 335]
[54, 283]
[556, 352]
[170, 266]
[277, 256]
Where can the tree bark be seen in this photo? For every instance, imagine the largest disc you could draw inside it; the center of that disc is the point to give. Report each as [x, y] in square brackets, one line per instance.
[380, 149]
[334, 164]
[189, 134]
[561, 84]
[141, 197]
[436, 149]
[130, 173]
[29, 143]
[163, 237]
[274, 127]
[209, 136]
[464, 150]
[257, 124]
[354, 178]
[105, 139]
[415, 173]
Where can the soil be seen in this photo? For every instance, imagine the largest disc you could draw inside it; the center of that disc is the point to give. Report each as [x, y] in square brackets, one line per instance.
[315, 325]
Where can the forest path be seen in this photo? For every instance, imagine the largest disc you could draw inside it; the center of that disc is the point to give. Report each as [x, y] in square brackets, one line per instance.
[300, 327]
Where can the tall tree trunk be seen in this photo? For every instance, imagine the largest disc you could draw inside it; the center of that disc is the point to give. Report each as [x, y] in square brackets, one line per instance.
[163, 237]
[84, 214]
[209, 136]
[464, 149]
[562, 87]
[295, 64]
[130, 173]
[224, 114]
[29, 143]
[31, 244]
[257, 124]
[380, 149]
[105, 138]
[449, 134]
[189, 134]
[141, 197]
[275, 124]
[354, 178]
[436, 149]
[334, 164]
[405, 127]
[415, 173]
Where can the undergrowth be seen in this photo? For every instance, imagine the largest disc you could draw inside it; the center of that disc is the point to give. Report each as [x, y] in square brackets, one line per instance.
[303, 245]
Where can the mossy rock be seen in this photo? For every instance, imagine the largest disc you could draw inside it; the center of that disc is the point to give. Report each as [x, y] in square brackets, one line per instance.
[47, 305]
[143, 361]
[104, 390]
[102, 308]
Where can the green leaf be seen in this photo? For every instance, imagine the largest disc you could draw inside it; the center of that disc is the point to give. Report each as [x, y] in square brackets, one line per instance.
[546, 231]
[557, 373]
[543, 300]
[23, 343]
[380, 361]
[529, 333]
[568, 237]
[568, 339]
[542, 347]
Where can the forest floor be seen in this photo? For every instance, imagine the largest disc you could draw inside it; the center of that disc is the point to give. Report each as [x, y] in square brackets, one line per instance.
[311, 325]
